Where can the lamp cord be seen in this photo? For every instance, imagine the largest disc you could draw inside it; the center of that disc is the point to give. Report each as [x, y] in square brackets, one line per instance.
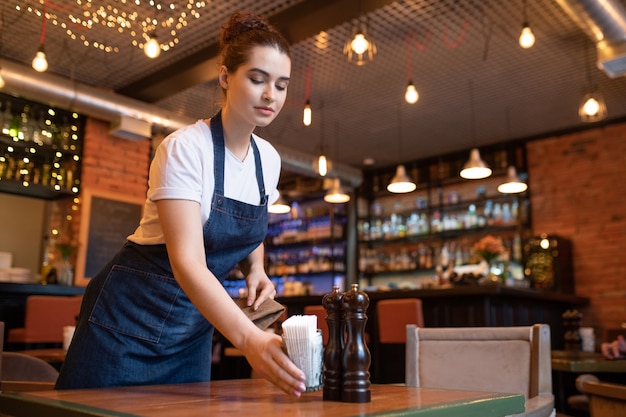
[409, 68]
[472, 116]
[44, 20]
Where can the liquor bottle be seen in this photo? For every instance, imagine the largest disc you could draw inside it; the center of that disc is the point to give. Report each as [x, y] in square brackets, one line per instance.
[15, 125]
[334, 346]
[6, 118]
[356, 356]
[46, 264]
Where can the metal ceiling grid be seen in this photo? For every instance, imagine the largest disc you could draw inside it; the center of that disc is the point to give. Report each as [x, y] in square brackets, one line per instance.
[359, 112]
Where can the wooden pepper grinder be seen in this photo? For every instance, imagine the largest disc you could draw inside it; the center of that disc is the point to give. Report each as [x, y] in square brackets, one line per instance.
[334, 347]
[571, 323]
[356, 356]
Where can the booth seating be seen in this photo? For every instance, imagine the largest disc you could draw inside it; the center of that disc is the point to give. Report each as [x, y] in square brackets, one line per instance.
[512, 360]
[45, 317]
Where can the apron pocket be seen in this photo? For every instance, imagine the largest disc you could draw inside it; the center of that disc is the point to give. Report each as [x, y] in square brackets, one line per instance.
[135, 303]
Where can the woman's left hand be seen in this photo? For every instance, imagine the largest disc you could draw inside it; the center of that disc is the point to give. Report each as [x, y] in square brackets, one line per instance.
[260, 288]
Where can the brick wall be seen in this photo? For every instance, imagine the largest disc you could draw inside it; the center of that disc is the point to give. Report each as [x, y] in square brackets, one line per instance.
[110, 165]
[114, 165]
[577, 185]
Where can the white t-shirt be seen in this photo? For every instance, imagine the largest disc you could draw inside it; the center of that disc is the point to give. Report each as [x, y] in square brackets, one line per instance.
[183, 169]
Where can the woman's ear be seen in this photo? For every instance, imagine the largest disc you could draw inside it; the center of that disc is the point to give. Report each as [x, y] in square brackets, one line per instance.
[223, 77]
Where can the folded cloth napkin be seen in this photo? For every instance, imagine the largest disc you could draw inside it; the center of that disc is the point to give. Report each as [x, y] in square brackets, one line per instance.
[267, 313]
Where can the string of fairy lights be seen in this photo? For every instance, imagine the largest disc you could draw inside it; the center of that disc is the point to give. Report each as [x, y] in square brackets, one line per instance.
[145, 23]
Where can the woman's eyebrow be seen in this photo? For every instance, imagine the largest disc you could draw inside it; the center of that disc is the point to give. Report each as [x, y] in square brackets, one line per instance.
[267, 74]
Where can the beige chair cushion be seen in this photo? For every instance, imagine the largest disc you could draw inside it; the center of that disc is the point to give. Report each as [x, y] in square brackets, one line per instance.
[494, 366]
[492, 359]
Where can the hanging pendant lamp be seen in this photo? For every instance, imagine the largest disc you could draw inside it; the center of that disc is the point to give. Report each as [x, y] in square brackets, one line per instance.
[401, 183]
[592, 108]
[280, 206]
[475, 168]
[336, 194]
[513, 184]
[306, 114]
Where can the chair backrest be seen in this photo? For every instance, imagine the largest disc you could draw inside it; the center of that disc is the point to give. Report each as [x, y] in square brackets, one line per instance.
[320, 312]
[47, 315]
[605, 399]
[1, 343]
[394, 315]
[495, 359]
[20, 367]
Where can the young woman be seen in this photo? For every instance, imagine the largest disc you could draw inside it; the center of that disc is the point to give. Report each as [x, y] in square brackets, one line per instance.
[148, 316]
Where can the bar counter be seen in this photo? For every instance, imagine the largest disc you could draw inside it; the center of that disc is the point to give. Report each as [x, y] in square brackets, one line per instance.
[254, 397]
[462, 306]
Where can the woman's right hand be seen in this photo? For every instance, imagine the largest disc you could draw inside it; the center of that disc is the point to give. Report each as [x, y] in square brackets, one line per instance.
[615, 349]
[264, 351]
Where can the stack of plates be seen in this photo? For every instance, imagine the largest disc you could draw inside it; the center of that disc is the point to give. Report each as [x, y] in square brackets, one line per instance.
[22, 275]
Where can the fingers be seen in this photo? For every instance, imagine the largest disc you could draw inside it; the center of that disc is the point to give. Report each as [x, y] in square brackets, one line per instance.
[612, 350]
[266, 292]
[290, 378]
[279, 370]
[252, 295]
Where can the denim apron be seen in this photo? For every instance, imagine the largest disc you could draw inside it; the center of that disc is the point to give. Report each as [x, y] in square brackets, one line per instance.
[136, 325]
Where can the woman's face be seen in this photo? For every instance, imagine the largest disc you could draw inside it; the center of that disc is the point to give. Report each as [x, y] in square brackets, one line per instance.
[257, 90]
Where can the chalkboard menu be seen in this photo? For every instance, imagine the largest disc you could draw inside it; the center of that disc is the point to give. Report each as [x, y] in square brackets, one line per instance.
[108, 222]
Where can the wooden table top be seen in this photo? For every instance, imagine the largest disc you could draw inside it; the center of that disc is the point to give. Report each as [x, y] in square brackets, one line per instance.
[585, 362]
[255, 397]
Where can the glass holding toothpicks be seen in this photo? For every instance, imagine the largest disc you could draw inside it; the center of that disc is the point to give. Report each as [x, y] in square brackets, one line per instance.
[305, 349]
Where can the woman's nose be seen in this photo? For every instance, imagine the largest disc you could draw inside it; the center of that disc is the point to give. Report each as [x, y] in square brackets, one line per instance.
[268, 94]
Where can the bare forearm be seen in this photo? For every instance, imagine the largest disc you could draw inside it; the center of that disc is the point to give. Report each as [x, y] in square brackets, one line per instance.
[215, 304]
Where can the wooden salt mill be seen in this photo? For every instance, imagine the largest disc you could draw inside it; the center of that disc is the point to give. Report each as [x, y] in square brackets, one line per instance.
[334, 347]
[356, 357]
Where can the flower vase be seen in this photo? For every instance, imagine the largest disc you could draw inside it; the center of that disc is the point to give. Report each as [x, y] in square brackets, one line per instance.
[67, 274]
[495, 272]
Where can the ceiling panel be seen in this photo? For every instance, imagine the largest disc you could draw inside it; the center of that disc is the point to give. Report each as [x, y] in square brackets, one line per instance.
[476, 85]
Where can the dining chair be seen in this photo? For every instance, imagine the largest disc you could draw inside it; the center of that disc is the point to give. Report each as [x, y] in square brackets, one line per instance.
[512, 360]
[392, 317]
[320, 312]
[605, 399]
[44, 319]
[19, 372]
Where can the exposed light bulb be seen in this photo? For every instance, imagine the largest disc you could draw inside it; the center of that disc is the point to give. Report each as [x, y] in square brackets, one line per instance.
[306, 115]
[40, 63]
[2, 83]
[152, 49]
[411, 95]
[591, 107]
[359, 44]
[527, 37]
[322, 165]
